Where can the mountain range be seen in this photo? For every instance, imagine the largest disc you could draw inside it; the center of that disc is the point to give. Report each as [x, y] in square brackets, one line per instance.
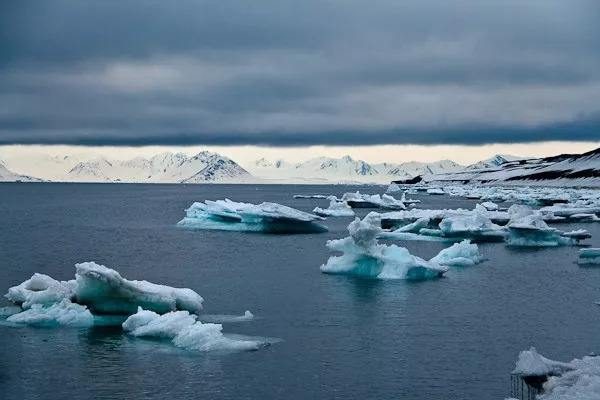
[564, 170]
[208, 167]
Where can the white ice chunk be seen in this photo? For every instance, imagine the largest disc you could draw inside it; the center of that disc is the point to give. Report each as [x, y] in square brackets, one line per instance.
[490, 206]
[436, 191]
[531, 231]
[476, 226]
[40, 289]
[364, 256]
[460, 254]
[532, 363]
[575, 380]
[336, 209]
[265, 217]
[183, 329]
[63, 313]
[104, 290]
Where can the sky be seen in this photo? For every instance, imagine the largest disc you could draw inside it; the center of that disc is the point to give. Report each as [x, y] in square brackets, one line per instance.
[288, 76]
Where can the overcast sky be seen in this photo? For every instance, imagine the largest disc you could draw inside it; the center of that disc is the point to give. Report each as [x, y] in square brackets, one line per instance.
[298, 73]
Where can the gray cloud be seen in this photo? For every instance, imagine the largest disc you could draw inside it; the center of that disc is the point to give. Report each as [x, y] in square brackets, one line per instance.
[293, 73]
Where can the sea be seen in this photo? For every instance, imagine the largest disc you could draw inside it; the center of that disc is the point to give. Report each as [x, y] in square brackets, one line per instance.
[332, 336]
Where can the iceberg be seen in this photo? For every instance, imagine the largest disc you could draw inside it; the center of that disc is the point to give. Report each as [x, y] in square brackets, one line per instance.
[363, 256]
[336, 209]
[96, 289]
[475, 226]
[358, 200]
[490, 206]
[578, 379]
[105, 291]
[393, 188]
[436, 191]
[63, 313]
[589, 256]
[532, 363]
[41, 289]
[461, 254]
[185, 331]
[265, 217]
[531, 231]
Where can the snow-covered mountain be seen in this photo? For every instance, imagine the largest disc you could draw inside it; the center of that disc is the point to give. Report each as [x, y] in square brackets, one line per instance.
[345, 169]
[44, 166]
[493, 162]
[162, 168]
[7, 175]
[562, 170]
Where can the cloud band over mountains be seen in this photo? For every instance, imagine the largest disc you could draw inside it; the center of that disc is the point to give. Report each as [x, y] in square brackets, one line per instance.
[298, 73]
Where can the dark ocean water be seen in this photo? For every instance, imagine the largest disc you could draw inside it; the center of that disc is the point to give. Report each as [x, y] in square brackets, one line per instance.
[347, 338]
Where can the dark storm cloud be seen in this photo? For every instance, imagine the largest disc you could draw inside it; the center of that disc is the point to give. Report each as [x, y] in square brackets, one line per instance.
[294, 73]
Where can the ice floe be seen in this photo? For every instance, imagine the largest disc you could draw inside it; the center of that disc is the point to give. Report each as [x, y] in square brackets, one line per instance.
[105, 291]
[359, 200]
[532, 231]
[578, 379]
[589, 256]
[184, 330]
[363, 256]
[336, 209]
[101, 296]
[63, 313]
[265, 217]
[461, 254]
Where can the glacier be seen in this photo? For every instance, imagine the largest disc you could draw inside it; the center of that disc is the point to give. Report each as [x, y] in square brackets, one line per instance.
[246, 217]
[185, 331]
[363, 256]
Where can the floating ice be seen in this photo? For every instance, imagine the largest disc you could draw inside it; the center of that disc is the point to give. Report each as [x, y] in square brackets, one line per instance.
[393, 188]
[40, 289]
[532, 363]
[531, 231]
[104, 290]
[101, 290]
[476, 226]
[264, 217]
[461, 254]
[358, 200]
[336, 209]
[490, 206]
[575, 380]
[364, 256]
[63, 313]
[184, 330]
[408, 201]
[589, 256]
[436, 191]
